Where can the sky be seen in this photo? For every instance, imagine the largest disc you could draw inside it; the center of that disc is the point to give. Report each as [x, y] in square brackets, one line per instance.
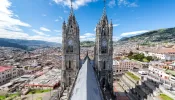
[42, 19]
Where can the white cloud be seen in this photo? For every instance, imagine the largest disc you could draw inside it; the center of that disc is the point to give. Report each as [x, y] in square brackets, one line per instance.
[44, 15]
[39, 32]
[87, 36]
[115, 25]
[49, 38]
[133, 33]
[127, 3]
[44, 29]
[58, 31]
[56, 20]
[111, 3]
[76, 4]
[8, 20]
[115, 38]
[10, 26]
[95, 29]
[59, 18]
[65, 11]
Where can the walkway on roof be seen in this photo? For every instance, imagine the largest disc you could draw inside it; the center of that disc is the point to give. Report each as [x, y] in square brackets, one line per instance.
[86, 86]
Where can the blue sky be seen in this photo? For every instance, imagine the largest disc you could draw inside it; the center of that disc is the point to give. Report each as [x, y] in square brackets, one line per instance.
[42, 19]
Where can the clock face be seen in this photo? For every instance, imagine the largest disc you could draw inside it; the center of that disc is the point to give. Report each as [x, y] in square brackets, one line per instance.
[104, 43]
[70, 42]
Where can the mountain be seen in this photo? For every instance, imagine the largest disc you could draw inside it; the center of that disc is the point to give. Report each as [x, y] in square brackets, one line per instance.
[26, 44]
[87, 43]
[156, 36]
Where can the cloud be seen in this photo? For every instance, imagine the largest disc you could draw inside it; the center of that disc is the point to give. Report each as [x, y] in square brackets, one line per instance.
[111, 3]
[44, 29]
[8, 20]
[58, 31]
[56, 20]
[115, 38]
[44, 38]
[76, 4]
[59, 18]
[95, 29]
[39, 32]
[65, 11]
[115, 25]
[44, 15]
[133, 33]
[87, 36]
[127, 3]
[10, 26]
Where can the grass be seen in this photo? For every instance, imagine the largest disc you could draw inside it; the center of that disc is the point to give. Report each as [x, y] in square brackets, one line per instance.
[133, 76]
[165, 97]
[3, 97]
[40, 98]
[170, 72]
[35, 91]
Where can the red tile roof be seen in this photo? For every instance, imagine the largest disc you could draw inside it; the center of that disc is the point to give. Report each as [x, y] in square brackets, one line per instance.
[4, 68]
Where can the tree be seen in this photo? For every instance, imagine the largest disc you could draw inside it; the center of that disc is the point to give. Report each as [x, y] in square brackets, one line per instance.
[130, 53]
[149, 58]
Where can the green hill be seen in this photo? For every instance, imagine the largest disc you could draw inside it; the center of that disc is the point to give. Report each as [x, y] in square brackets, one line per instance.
[26, 44]
[87, 44]
[156, 36]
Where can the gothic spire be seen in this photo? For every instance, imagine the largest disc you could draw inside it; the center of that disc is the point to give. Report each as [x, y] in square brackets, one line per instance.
[104, 9]
[71, 12]
[104, 16]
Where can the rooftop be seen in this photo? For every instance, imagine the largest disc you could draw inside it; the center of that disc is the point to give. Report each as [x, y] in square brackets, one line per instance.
[86, 86]
[4, 68]
[50, 78]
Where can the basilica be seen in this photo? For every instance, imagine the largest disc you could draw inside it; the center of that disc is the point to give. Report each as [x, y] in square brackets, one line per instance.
[87, 79]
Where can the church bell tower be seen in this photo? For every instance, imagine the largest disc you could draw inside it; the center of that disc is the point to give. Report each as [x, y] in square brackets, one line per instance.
[70, 50]
[103, 51]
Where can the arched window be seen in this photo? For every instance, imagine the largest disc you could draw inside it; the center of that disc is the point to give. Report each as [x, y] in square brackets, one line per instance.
[69, 64]
[70, 46]
[104, 65]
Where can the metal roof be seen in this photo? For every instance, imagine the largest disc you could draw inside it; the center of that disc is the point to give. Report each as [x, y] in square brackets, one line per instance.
[86, 86]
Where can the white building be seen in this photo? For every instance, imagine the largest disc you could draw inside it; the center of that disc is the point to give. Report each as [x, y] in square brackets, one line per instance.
[7, 73]
[160, 53]
[160, 72]
[122, 66]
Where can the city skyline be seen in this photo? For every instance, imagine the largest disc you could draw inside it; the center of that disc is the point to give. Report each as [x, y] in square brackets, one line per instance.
[42, 20]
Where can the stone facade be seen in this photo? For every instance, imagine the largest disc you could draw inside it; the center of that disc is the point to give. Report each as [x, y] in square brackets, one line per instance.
[104, 52]
[70, 50]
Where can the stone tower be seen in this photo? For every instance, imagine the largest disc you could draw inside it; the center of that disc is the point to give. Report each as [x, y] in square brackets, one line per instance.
[104, 52]
[70, 50]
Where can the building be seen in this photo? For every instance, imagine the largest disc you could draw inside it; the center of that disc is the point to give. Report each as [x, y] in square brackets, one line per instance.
[78, 75]
[49, 80]
[103, 52]
[70, 50]
[7, 73]
[160, 72]
[160, 53]
[122, 66]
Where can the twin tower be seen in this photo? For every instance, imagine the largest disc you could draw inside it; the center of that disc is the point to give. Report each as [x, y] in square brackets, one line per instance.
[103, 51]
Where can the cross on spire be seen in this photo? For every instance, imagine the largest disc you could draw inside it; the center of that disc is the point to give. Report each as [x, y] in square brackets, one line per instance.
[104, 3]
[71, 6]
[104, 10]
